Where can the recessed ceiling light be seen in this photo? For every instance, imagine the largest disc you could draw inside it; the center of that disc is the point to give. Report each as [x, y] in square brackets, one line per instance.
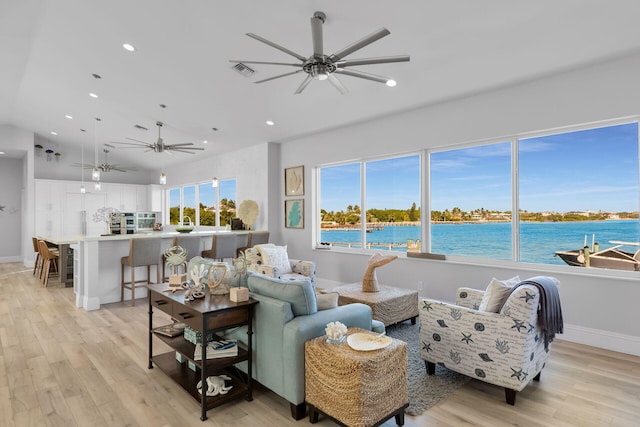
[68, 117]
[391, 83]
[205, 142]
[1, 153]
[54, 133]
[128, 47]
[270, 123]
[93, 95]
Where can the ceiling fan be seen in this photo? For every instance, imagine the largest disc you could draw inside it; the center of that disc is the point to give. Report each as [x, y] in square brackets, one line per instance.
[106, 166]
[159, 146]
[322, 67]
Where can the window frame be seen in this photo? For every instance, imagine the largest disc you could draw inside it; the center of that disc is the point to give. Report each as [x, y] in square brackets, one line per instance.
[196, 219]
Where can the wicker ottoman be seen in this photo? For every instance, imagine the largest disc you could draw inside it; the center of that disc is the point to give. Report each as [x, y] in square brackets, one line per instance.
[389, 305]
[356, 388]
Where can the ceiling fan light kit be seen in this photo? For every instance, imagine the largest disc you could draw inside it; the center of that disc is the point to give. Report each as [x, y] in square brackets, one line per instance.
[319, 66]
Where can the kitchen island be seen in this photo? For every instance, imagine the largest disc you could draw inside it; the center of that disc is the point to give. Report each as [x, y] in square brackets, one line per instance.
[97, 263]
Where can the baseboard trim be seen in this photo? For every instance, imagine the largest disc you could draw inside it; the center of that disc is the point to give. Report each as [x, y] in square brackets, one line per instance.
[613, 341]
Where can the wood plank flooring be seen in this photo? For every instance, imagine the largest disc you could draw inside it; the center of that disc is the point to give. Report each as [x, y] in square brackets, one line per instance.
[63, 366]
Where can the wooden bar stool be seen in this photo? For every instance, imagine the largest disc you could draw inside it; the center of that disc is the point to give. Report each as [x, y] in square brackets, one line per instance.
[258, 238]
[37, 265]
[143, 252]
[49, 260]
[222, 246]
[190, 243]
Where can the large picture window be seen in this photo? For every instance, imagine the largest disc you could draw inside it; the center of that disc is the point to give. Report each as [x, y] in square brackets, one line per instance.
[569, 197]
[215, 204]
[471, 201]
[381, 211]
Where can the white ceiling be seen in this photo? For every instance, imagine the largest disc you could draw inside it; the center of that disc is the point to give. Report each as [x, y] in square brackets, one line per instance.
[49, 50]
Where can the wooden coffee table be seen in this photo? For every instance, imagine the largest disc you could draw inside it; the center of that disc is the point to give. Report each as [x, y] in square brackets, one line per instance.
[389, 305]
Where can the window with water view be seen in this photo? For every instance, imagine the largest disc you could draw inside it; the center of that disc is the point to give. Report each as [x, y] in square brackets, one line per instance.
[211, 201]
[577, 200]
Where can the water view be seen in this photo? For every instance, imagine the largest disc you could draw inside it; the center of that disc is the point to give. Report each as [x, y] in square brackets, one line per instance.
[539, 241]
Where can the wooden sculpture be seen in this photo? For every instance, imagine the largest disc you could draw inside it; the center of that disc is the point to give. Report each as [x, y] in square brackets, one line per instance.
[370, 281]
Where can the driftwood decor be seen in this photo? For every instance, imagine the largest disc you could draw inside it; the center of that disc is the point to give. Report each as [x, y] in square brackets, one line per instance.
[370, 281]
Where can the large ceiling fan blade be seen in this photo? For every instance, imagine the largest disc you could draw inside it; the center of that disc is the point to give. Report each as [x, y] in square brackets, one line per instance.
[131, 139]
[304, 84]
[359, 44]
[369, 61]
[264, 63]
[316, 33]
[169, 147]
[180, 147]
[337, 84]
[82, 165]
[279, 75]
[362, 75]
[277, 46]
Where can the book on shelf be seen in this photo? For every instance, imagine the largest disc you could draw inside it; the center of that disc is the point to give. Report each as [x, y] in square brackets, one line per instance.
[217, 349]
[169, 330]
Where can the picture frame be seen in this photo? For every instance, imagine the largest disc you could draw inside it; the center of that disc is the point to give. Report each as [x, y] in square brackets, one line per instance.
[294, 213]
[294, 181]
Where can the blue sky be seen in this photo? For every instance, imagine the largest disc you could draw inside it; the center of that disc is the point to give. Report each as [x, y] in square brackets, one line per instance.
[595, 169]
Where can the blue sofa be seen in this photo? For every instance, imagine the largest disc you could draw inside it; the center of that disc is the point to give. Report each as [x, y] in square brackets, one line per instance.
[285, 318]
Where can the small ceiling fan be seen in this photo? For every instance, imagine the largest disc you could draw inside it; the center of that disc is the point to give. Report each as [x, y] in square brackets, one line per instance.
[322, 67]
[106, 166]
[159, 146]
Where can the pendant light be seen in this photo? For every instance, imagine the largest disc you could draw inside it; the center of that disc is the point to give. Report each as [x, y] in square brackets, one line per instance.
[95, 173]
[163, 177]
[82, 189]
[214, 182]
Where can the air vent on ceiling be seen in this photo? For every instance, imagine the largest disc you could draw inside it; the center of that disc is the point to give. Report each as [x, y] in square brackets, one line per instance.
[243, 69]
[140, 127]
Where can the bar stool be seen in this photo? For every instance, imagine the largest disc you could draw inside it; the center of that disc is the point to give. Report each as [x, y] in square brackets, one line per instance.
[37, 265]
[49, 259]
[143, 252]
[257, 238]
[222, 246]
[242, 242]
[190, 243]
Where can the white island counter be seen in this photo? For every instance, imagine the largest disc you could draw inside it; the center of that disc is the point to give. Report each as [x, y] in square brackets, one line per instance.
[97, 263]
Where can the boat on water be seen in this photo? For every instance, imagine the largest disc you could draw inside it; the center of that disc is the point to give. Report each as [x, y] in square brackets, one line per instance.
[613, 258]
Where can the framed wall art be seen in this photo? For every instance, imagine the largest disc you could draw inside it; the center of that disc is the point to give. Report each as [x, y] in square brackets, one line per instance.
[294, 213]
[294, 181]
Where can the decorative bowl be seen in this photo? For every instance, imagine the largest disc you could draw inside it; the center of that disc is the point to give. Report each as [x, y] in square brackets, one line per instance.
[184, 229]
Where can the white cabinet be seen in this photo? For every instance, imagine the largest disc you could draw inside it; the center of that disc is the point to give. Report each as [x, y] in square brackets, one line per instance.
[154, 192]
[48, 207]
[126, 197]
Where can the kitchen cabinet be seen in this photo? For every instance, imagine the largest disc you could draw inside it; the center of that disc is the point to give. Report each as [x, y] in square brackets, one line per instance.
[48, 207]
[126, 197]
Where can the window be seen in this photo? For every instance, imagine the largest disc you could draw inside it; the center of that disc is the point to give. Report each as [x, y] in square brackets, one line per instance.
[183, 202]
[578, 189]
[391, 203]
[471, 201]
[539, 199]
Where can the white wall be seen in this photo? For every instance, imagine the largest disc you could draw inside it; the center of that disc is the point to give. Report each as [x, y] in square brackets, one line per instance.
[10, 210]
[599, 309]
[250, 168]
[22, 141]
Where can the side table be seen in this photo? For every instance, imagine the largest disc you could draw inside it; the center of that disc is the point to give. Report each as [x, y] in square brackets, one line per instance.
[389, 305]
[356, 388]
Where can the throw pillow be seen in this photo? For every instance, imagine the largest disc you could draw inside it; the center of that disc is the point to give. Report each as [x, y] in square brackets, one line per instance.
[327, 301]
[298, 293]
[277, 257]
[496, 294]
[254, 256]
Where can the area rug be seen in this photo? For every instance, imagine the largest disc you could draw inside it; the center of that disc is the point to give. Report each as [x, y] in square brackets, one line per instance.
[424, 391]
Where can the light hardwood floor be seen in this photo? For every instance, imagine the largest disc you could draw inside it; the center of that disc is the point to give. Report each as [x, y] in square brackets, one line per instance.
[63, 366]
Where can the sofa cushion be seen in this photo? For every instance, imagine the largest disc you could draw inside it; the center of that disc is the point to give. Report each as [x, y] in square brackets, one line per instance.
[277, 257]
[254, 256]
[327, 301]
[299, 293]
[496, 293]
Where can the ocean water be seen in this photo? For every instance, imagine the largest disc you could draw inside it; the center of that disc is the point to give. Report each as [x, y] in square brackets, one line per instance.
[538, 241]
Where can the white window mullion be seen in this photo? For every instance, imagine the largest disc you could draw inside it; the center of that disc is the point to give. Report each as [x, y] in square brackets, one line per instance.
[515, 203]
[363, 204]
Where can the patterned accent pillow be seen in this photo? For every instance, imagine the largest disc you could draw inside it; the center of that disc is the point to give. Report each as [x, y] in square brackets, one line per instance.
[277, 257]
[497, 293]
[327, 301]
[254, 256]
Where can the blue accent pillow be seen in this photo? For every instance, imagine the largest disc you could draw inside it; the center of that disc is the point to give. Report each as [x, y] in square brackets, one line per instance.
[299, 293]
